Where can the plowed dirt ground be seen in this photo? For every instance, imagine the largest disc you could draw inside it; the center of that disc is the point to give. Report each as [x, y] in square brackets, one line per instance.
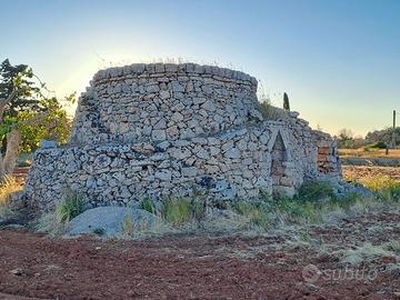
[270, 266]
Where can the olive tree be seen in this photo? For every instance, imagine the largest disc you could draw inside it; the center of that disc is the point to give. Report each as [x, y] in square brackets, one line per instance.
[26, 114]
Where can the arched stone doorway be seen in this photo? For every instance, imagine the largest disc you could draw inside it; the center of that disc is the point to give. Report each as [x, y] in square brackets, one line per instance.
[278, 165]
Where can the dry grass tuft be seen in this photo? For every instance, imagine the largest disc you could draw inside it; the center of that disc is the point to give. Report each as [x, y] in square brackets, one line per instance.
[8, 187]
[365, 253]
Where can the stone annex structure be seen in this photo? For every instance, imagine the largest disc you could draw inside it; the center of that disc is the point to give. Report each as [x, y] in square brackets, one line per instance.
[169, 130]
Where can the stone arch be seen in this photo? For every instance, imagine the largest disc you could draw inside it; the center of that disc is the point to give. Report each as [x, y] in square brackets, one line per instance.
[278, 164]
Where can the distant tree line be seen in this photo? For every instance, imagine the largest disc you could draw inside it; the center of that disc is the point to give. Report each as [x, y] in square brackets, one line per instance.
[375, 139]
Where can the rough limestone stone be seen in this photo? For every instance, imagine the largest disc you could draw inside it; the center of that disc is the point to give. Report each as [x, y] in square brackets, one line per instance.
[163, 146]
[177, 117]
[109, 220]
[189, 172]
[158, 135]
[208, 106]
[233, 153]
[165, 95]
[164, 175]
[203, 154]
[161, 124]
[45, 144]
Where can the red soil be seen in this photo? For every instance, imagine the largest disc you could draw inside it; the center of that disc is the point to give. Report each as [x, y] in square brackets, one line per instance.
[235, 267]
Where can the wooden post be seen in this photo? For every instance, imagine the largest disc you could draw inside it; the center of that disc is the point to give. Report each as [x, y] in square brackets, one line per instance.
[394, 130]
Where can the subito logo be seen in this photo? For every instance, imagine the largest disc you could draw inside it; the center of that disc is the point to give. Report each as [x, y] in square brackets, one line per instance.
[311, 273]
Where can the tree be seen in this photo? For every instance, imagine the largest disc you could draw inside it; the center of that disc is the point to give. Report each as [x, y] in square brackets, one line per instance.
[382, 136]
[286, 105]
[345, 138]
[17, 86]
[26, 115]
[54, 124]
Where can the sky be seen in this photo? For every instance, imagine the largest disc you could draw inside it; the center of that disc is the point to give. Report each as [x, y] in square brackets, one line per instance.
[338, 60]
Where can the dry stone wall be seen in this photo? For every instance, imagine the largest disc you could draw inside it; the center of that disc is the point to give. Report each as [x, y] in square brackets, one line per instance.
[165, 130]
[164, 102]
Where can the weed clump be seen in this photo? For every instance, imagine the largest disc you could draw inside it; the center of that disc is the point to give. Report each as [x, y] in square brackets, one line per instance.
[313, 191]
[256, 214]
[128, 225]
[270, 112]
[55, 222]
[387, 188]
[177, 211]
[70, 206]
[148, 205]
[8, 186]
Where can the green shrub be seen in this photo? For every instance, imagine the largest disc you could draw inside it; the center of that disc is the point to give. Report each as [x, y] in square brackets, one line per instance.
[345, 202]
[148, 205]
[390, 193]
[70, 206]
[312, 191]
[177, 211]
[377, 145]
[299, 211]
[256, 213]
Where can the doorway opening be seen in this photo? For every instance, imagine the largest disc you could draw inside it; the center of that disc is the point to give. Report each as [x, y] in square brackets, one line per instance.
[278, 165]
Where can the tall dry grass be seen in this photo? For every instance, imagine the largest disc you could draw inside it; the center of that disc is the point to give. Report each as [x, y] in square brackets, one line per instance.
[9, 186]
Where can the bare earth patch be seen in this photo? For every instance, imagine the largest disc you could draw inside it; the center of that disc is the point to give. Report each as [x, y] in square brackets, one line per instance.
[291, 264]
[357, 172]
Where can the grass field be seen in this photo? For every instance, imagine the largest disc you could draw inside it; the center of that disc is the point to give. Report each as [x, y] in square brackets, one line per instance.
[369, 153]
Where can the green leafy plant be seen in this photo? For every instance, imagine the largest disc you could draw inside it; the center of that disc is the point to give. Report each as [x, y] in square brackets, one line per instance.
[394, 246]
[70, 206]
[255, 213]
[148, 205]
[312, 191]
[376, 146]
[26, 114]
[177, 211]
[298, 211]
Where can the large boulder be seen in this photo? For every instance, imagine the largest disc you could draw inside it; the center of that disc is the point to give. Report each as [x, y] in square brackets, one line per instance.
[112, 221]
